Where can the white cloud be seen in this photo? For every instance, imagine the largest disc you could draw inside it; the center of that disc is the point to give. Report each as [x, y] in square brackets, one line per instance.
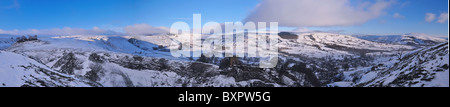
[443, 18]
[143, 29]
[58, 31]
[398, 16]
[317, 13]
[137, 29]
[301, 29]
[8, 32]
[429, 17]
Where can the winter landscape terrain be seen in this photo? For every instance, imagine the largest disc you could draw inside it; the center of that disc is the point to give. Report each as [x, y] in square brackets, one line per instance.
[313, 59]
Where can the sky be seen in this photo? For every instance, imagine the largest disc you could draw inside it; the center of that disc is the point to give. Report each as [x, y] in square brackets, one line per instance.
[374, 17]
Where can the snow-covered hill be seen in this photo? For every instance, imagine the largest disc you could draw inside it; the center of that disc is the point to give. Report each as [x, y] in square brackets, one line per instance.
[319, 45]
[412, 39]
[19, 71]
[121, 62]
[6, 42]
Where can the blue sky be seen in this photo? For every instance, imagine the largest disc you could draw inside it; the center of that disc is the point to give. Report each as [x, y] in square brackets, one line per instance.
[413, 22]
[21, 15]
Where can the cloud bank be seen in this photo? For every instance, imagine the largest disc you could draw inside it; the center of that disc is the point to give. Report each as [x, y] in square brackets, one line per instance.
[137, 29]
[58, 31]
[317, 13]
[144, 29]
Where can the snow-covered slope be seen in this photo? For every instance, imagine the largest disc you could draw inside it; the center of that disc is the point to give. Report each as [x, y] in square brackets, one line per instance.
[19, 71]
[426, 67]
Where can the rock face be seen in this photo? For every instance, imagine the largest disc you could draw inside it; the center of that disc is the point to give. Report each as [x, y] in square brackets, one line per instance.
[287, 35]
[68, 63]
